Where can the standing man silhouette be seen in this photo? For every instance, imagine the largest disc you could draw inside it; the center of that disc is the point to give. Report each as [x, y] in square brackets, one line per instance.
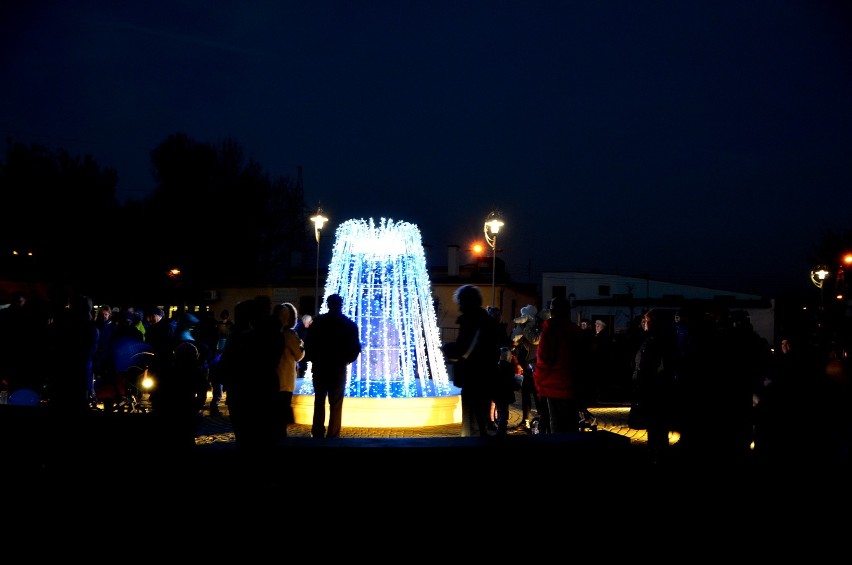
[331, 344]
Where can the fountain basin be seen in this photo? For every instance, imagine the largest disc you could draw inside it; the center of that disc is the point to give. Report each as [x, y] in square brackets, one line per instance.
[366, 412]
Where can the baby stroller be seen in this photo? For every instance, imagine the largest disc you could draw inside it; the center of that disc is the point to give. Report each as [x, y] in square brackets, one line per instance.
[125, 386]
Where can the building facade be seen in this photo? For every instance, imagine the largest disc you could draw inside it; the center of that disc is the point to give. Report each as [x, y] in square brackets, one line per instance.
[619, 300]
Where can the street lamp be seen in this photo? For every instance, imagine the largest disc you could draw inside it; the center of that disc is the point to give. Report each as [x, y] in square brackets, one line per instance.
[318, 219]
[818, 276]
[492, 226]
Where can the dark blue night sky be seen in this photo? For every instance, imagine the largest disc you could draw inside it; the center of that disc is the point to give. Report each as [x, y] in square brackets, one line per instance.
[700, 142]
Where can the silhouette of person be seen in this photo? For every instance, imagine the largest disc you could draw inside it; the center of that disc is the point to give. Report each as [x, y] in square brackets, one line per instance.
[175, 402]
[474, 356]
[652, 382]
[187, 325]
[602, 352]
[160, 336]
[224, 326]
[584, 379]
[332, 342]
[21, 327]
[209, 334]
[288, 366]
[525, 337]
[749, 360]
[503, 340]
[74, 344]
[504, 387]
[778, 404]
[248, 371]
[105, 324]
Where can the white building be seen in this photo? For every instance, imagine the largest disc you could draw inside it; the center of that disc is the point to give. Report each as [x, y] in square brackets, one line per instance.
[617, 300]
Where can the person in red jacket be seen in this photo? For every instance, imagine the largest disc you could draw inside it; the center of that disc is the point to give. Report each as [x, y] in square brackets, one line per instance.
[560, 359]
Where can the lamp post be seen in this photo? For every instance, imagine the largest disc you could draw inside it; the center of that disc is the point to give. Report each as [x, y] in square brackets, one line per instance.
[818, 276]
[492, 226]
[318, 219]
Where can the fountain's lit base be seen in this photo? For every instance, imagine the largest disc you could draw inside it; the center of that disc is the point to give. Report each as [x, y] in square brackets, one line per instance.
[359, 412]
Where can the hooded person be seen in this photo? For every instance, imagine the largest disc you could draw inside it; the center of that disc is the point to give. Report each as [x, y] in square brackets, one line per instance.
[185, 364]
[186, 322]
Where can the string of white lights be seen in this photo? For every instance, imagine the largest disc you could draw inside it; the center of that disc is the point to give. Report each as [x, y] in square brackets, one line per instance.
[380, 271]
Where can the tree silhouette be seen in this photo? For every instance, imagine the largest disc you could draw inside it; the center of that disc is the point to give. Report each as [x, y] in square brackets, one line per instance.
[226, 222]
[214, 214]
[54, 207]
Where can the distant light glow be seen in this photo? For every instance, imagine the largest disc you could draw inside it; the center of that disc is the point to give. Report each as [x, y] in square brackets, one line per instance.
[380, 271]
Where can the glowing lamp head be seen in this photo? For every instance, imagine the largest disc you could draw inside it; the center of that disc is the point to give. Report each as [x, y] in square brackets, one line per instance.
[319, 220]
[818, 276]
[494, 225]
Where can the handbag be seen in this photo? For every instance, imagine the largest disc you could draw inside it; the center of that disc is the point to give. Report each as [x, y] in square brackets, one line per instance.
[458, 373]
[637, 419]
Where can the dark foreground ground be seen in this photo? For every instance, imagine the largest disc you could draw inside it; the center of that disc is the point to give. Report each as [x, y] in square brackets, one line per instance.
[47, 455]
[106, 488]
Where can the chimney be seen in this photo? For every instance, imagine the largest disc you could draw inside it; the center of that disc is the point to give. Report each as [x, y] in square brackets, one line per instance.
[452, 260]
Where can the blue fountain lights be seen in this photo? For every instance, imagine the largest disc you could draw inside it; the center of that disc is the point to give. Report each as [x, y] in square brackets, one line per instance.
[380, 271]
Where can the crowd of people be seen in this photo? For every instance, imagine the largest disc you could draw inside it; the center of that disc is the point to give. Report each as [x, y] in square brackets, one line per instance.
[702, 382]
[74, 359]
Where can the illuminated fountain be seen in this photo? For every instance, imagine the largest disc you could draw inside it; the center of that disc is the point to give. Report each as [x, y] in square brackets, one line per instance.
[400, 379]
